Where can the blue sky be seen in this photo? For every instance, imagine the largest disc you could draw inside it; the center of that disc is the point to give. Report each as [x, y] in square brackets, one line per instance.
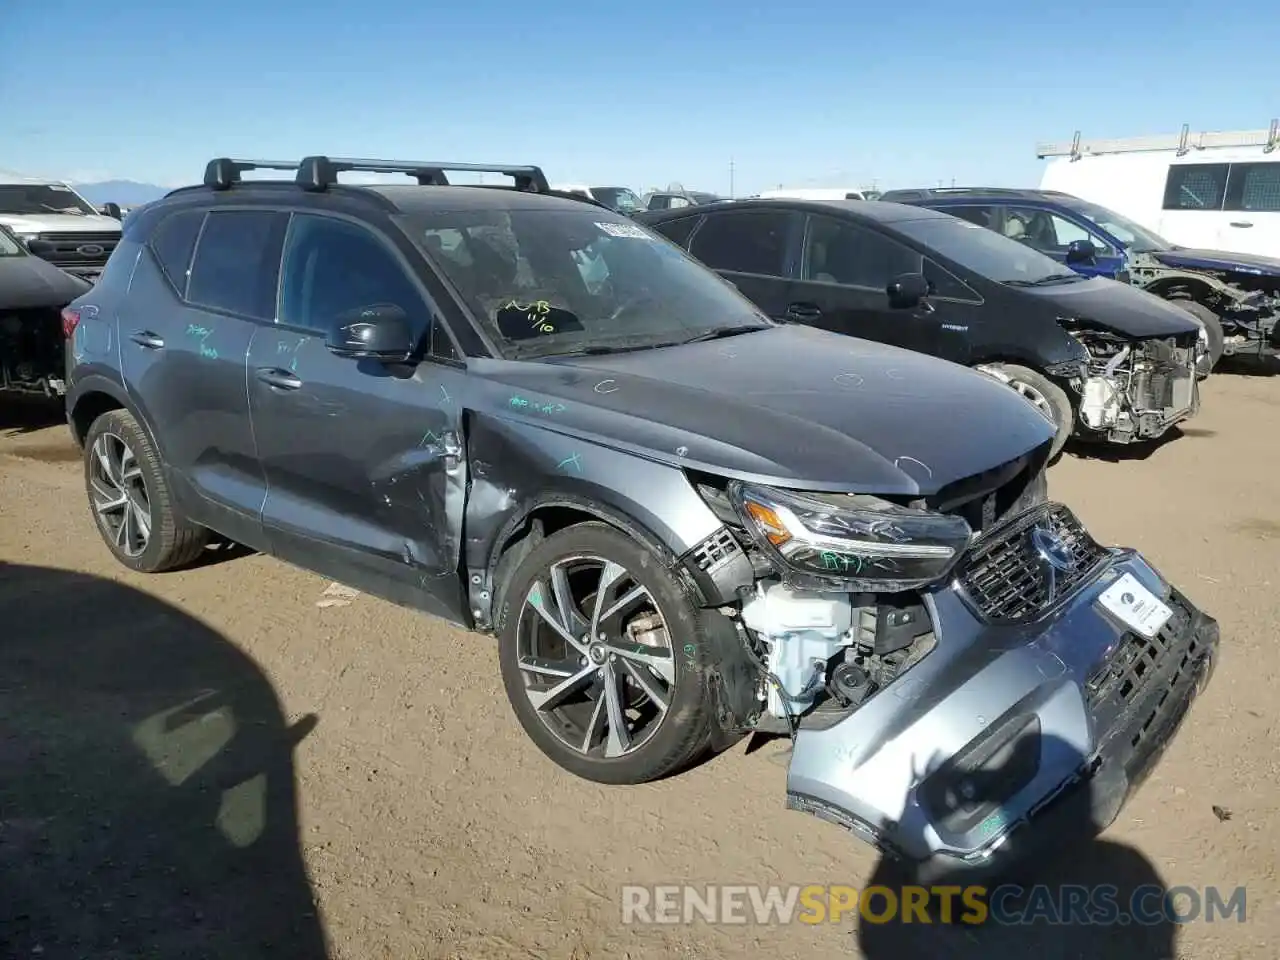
[820, 93]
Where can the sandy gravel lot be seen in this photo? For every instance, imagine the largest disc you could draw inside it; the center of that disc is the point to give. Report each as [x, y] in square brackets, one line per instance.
[212, 763]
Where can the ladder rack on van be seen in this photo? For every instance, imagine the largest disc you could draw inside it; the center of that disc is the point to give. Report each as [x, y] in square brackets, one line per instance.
[1183, 143]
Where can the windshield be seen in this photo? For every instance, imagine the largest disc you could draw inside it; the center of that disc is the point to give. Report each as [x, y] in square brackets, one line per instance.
[621, 199]
[549, 282]
[37, 199]
[9, 246]
[985, 252]
[1131, 235]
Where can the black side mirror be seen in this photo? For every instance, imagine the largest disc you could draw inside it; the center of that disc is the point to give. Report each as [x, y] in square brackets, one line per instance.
[906, 291]
[380, 331]
[111, 210]
[1081, 251]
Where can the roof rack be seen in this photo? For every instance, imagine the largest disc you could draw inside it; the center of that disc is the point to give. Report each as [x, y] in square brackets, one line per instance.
[318, 173]
[1183, 143]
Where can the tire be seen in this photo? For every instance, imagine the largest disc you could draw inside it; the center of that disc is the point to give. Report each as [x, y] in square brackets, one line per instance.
[1212, 327]
[1029, 382]
[133, 476]
[681, 732]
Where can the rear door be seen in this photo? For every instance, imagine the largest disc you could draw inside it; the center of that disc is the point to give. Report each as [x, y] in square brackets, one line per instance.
[363, 460]
[1252, 208]
[845, 270]
[193, 308]
[754, 250]
[1192, 214]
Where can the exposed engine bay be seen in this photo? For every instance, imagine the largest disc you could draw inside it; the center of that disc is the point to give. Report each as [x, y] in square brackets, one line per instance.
[1133, 390]
[1246, 304]
[31, 352]
[826, 626]
[822, 647]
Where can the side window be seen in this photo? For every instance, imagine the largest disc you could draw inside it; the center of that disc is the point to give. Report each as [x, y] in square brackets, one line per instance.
[173, 242]
[238, 262]
[658, 203]
[1254, 186]
[674, 203]
[982, 216]
[332, 267]
[837, 251]
[1195, 186]
[744, 241]
[678, 231]
[1047, 232]
[943, 283]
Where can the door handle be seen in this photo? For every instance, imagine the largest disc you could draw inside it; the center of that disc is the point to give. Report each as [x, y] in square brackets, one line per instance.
[145, 338]
[275, 377]
[1241, 223]
[803, 311]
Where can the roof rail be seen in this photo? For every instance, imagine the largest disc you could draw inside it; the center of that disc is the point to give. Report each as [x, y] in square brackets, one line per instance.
[1182, 143]
[318, 173]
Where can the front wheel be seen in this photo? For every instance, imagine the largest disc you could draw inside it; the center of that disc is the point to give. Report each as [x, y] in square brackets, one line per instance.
[1047, 397]
[1211, 334]
[600, 649]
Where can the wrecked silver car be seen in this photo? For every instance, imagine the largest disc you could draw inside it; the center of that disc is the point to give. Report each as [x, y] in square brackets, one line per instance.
[683, 521]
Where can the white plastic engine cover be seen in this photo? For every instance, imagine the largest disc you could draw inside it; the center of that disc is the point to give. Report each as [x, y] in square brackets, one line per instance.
[1100, 403]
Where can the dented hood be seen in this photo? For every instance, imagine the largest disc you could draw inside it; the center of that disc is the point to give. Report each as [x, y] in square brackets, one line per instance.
[791, 405]
[1117, 307]
[1195, 259]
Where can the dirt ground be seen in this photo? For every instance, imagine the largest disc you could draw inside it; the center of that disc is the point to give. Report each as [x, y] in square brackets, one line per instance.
[226, 762]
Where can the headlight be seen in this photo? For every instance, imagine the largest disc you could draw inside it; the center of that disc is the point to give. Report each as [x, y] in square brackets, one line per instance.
[850, 542]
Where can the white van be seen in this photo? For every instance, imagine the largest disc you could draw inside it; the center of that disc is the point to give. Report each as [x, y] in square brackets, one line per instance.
[1217, 191]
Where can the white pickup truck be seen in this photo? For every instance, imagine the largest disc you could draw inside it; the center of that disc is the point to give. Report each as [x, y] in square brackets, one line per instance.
[58, 225]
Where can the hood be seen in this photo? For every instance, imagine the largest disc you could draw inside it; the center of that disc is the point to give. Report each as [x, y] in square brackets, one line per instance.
[28, 282]
[59, 223]
[791, 406]
[1117, 308]
[1196, 259]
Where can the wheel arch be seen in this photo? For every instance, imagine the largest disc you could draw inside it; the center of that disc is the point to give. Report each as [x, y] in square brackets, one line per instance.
[1190, 286]
[95, 396]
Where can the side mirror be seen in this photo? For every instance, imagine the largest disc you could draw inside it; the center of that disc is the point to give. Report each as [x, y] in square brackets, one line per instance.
[378, 332]
[1081, 251]
[111, 210]
[907, 290]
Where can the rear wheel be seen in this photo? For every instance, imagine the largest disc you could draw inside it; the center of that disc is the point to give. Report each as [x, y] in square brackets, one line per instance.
[1211, 334]
[599, 648]
[132, 506]
[1047, 397]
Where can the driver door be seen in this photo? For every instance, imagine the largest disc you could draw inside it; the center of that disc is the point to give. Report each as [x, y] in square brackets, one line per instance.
[363, 460]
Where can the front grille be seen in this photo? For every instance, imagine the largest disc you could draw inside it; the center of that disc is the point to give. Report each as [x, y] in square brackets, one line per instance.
[1130, 673]
[77, 249]
[1007, 576]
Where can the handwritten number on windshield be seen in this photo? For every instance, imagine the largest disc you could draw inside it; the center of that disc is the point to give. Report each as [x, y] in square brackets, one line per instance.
[536, 312]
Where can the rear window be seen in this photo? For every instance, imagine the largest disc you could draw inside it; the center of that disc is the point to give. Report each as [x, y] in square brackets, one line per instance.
[173, 242]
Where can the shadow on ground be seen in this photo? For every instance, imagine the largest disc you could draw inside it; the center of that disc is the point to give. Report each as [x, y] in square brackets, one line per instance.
[24, 414]
[147, 799]
[1122, 453]
[1064, 894]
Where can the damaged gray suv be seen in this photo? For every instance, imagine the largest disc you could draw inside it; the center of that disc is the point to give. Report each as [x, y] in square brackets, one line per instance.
[528, 414]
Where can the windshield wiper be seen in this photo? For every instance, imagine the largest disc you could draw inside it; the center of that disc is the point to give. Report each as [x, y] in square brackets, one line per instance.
[718, 333]
[598, 350]
[1045, 281]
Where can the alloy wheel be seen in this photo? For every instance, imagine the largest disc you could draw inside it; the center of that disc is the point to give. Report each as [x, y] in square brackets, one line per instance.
[119, 494]
[595, 654]
[1036, 399]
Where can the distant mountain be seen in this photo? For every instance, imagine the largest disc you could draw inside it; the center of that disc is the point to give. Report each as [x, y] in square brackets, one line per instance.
[127, 193]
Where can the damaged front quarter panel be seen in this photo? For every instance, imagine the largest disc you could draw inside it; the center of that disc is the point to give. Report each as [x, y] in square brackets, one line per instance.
[521, 470]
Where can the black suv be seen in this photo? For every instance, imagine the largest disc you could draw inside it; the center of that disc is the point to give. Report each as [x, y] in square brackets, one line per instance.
[530, 415]
[1102, 361]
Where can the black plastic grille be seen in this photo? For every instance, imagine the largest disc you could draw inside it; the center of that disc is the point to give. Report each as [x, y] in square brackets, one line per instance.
[717, 548]
[65, 249]
[1008, 580]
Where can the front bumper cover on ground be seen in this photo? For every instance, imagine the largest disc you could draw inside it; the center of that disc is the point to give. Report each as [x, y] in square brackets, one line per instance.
[1008, 738]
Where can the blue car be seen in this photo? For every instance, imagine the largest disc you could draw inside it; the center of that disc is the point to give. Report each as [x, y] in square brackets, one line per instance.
[1234, 296]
